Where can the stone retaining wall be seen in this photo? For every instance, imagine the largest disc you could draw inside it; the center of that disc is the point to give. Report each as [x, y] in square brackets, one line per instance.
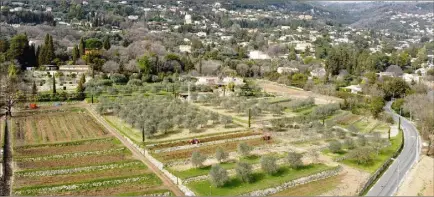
[293, 183]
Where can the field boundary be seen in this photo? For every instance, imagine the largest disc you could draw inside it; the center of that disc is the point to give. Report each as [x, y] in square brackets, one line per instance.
[300, 181]
[179, 190]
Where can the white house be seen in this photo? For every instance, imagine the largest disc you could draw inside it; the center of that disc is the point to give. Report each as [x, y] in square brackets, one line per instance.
[259, 55]
[207, 81]
[355, 89]
[236, 80]
[318, 72]
[185, 48]
[409, 78]
[282, 70]
[187, 19]
[201, 34]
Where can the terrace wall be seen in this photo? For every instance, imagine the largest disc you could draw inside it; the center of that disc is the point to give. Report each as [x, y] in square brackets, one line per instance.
[293, 183]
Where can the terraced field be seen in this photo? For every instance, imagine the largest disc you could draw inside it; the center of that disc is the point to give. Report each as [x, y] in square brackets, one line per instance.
[55, 126]
[62, 165]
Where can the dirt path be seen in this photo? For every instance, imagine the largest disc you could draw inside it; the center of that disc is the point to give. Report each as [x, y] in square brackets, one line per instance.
[136, 153]
[352, 179]
[274, 87]
[420, 181]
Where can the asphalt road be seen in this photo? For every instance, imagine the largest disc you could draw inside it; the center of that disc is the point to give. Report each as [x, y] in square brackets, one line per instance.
[389, 182]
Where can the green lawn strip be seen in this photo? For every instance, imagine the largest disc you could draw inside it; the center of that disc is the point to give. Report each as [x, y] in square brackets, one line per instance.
[193, 172]
[262, 181]
[314, 188]
[148, 179]
[146, 193]
[126, 131]
[379, 159]
[78, 170]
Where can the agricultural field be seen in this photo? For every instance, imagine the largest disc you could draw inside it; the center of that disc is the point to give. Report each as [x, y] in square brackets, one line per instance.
[75, 158]
[295, 125]
[55, 126]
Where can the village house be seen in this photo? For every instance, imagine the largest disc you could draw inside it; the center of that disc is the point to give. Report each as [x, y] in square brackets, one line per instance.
[355, 89]
[282, 70]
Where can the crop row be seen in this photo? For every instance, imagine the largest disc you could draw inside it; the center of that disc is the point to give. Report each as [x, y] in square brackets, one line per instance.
[203, 140]
[40, 190]
[73, 155]
[207, 150]
[110, 166]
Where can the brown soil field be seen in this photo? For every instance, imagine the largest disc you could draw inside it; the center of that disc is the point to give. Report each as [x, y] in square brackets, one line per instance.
[74, 162]
[273, 87]
[57, 126]
[51, 150]
[114, 190]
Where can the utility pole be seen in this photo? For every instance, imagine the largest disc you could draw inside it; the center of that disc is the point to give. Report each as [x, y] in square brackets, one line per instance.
[250, 116]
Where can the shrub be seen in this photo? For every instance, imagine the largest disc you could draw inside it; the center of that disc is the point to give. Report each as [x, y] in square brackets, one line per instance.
[335, 146]
[362, 155]
[361, 140]
[226, 120]
[220, 154]
[349, 143]
[135, 82]
[294, 159]
[244, 172]
[218, 176]
[197, 159]
[268, 164]
[244, 149]
[118, 78]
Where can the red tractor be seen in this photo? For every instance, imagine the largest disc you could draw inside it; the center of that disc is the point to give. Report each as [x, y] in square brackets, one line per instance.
[266, 136]
[194, 141]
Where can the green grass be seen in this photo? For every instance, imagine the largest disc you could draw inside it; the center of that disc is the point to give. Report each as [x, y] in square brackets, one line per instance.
[314, 188]
[125, 130]
[193, 172]
[379, 159]
[146, 193]
[261, 181]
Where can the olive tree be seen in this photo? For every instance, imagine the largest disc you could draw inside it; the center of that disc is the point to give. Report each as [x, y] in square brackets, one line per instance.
[294, 159]
[244, 149]
[220, 154]
[335, 146]
[268, 164]
[244, 172]
[218, 175]
[362, 155]
[197, 159]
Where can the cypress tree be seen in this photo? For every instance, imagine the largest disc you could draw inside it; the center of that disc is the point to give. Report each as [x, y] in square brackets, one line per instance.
[42, 57]
[75, 53]
[34, 89]
[54, 84]
[82, 47]
[50, 49]
[38, 51]
[106, 43]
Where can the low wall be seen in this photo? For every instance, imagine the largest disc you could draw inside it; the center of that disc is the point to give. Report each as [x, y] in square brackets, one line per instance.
[293, 183]
[160, 166]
